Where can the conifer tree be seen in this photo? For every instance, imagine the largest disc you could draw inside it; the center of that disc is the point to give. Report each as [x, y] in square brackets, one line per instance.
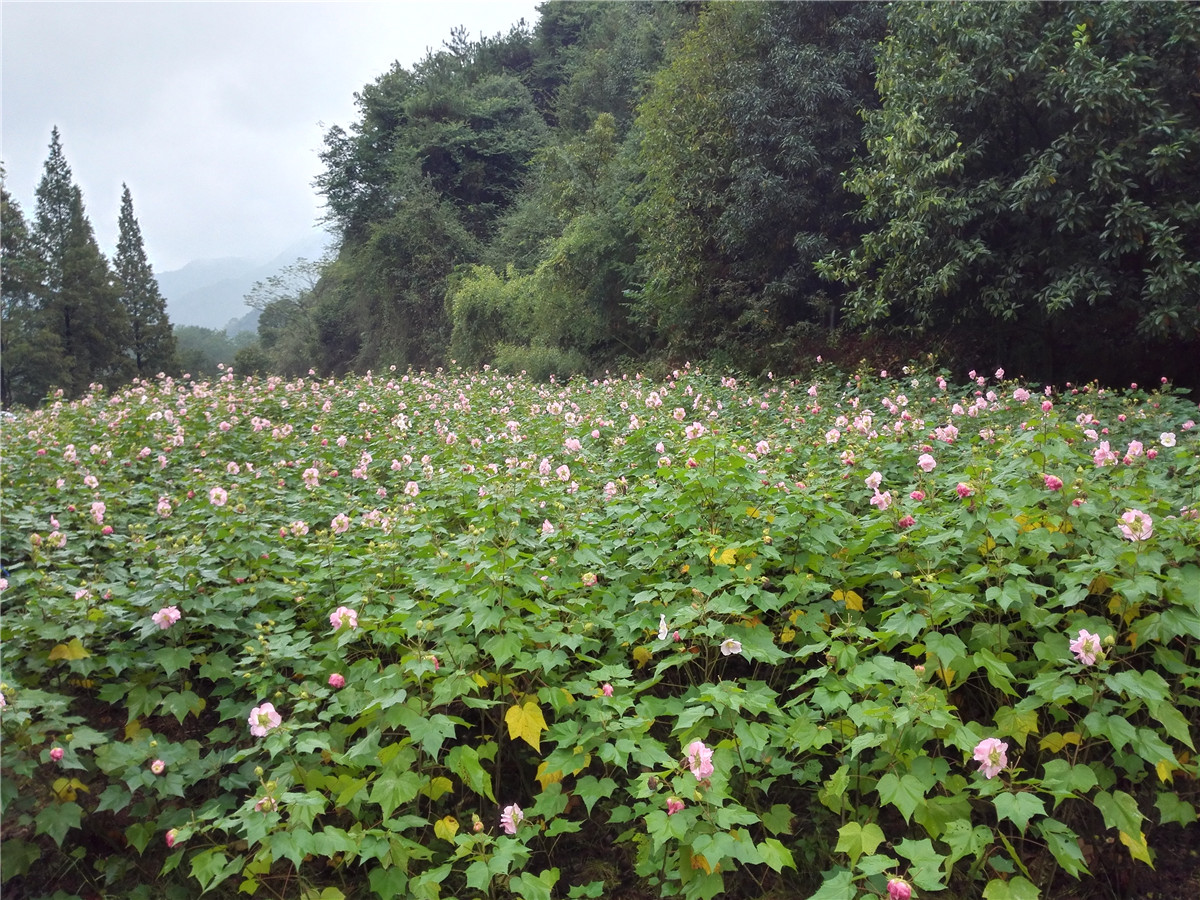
[151, 338]
[27, 346]
[86, 310]
[52, 218]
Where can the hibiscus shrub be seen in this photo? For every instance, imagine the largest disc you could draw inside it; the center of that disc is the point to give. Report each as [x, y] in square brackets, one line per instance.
[462, 635]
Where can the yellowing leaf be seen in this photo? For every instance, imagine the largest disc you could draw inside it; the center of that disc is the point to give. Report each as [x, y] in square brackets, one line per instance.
[796, 614]
[65, 788]
[134, 730]
[642, 656]
[787, 635]
[699, 862]
[446, 827]
[527, 722]
[479, 680]
[850, 598]
[437, 787]
[71, 650]
[1165, 768]
[545, 779]
[1137, 847]
[1099, 585]
[1054, 741]
[752, 512]
[727, 557]
[986, 547]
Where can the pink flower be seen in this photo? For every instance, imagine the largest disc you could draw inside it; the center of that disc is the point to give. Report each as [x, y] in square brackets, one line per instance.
[412, 489]
[882, 501]
[1086, 647]
[98, 510]
[1047, 406]
[218, 496]
[874, 480]
[158, 767]
[547, 528]
[56, 753]
[898, 889]
[926, 462]
[171, 836]
[907, 522]
[964, 490]
[337, 681]
[1136, 525]
[917, 495]
[340, 524]
[266, 805]
[264, 719]
[1052, 482]
[166, 617]
[730, 647]
[343, 615]
[699, 760]
[606, 689]
[164, 507]
[1020, 395]
[674, 805]
[991, 754]
[510, 818]
[588, 579]
[1103, 455]
[311, 478]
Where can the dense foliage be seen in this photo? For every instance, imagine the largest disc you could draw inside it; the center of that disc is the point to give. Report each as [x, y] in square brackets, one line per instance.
[462, 634]
[643, 182]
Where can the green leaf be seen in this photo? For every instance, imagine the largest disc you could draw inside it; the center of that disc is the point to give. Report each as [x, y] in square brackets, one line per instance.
[1120, 811]
[463, 760]
[56, 819]
[837, 884]
[1172, 721]
[591, 789]
[855, 839]
[534, 887]
[775, 855]
[1016, 888]
[1064, 844]
[926, 863]
[1018, 807]
[905, 793]
[172, 659]
[1172, 809]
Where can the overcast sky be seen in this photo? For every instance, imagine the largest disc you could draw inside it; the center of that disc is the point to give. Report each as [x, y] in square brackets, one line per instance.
[212, 112]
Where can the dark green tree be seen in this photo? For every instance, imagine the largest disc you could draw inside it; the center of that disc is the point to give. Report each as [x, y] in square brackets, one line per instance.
[151, 339]
[86, 311]
[1031, 177]
[745, 135]
[55, 197]
[28, 347]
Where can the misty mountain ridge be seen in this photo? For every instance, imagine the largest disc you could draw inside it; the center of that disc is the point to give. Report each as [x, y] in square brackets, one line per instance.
[211, 293]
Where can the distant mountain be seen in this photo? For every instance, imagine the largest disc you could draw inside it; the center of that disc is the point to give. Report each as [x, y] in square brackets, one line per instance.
[210, 292]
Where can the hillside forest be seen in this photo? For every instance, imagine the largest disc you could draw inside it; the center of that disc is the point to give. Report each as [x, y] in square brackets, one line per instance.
[631, 185]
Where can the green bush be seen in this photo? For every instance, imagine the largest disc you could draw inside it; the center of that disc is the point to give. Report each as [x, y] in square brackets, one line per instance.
[687, 637]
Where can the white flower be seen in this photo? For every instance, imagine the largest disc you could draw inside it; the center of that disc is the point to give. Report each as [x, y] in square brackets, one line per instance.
[730, 647]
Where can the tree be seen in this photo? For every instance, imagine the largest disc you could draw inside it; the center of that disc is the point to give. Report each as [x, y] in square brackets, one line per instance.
[1031, 176]
[52, 220]
[27, 344]
[745, 134]
[86, 311]
[151, 339]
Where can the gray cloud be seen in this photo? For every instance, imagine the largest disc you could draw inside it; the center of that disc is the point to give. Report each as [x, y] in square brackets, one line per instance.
[212, 112]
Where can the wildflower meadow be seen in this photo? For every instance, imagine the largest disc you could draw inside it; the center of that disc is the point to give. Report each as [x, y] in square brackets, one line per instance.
[464, 635]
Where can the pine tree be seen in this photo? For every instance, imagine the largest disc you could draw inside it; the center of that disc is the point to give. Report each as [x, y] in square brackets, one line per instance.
[151, 338]
[28, 348]
[86, 310]
[52, 219]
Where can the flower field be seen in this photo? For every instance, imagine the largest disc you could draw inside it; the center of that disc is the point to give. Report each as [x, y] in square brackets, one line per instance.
[462, 635]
